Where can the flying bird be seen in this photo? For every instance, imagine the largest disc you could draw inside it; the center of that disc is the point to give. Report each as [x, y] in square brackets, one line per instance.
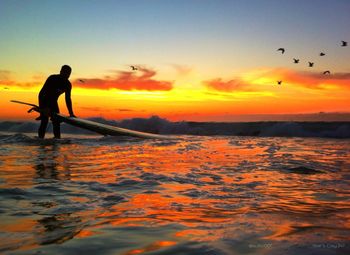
[282, 50]
[279, 82]
[82, 81]
[322, 54]
[133, 68]
[344, 43]
[296, 61]
[311, 64]
[6, 88]
[327, 72]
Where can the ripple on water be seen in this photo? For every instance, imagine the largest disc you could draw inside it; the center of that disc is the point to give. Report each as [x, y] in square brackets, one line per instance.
[196, 195]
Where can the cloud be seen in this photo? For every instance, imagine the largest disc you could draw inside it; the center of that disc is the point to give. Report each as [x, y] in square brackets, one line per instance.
[100, 109]
[4, 74]
[311, 80]
[125, 110]
[182, 70]
[5, 78]
[93, 109]
[335, 76]
[142, 79]
[251, 81]
[226, 86]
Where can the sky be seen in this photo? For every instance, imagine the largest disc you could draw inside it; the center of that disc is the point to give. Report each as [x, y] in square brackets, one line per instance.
[197, 60]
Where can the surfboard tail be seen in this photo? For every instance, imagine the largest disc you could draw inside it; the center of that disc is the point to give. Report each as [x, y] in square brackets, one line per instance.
[20, 102]
[34, 108]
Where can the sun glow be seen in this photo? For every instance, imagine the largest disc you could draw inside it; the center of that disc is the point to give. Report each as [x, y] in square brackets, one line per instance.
[253, 92]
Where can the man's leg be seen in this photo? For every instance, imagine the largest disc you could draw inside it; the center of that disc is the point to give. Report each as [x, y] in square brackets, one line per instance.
[43, 126]
[56, 128]
[55, 123]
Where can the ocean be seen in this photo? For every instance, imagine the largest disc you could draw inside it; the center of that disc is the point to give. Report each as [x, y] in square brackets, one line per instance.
[207, 194]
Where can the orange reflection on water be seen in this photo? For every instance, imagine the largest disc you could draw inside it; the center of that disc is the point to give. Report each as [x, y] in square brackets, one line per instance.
[210, 188]
[199, 234]
[86, 233]
[152, 247]
[18, 225]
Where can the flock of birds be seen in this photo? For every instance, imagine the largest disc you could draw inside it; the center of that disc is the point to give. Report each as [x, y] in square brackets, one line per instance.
[311, 64]
[282, 50]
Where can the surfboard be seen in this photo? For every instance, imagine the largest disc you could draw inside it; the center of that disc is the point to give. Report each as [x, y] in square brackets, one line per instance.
[100, 128]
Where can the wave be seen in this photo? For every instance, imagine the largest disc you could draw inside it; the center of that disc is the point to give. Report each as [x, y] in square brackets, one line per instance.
[159, 125]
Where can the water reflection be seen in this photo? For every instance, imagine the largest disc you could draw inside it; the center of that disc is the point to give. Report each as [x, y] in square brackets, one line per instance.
[202, 196]
[51, 163]
[59, 228]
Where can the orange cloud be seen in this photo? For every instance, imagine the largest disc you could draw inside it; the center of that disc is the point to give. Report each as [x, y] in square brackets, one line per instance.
[142, 79]
[100, 109]
[248, 81]
[311, 80]
[219, 84]
[7, 80]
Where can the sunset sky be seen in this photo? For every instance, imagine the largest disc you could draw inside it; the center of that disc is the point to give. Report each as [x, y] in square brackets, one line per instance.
[197, 59]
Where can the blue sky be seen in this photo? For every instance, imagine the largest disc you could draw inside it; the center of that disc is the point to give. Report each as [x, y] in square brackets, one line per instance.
[158, 32]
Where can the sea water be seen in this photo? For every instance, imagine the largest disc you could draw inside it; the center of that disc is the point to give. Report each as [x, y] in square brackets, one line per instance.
[190, 195]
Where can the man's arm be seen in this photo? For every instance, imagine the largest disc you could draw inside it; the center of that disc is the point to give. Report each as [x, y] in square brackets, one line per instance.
[69, 102]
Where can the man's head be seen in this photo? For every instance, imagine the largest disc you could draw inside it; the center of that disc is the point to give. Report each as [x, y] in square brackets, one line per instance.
[66, 71]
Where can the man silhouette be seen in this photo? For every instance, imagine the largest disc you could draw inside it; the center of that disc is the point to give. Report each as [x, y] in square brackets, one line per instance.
[54, 86]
